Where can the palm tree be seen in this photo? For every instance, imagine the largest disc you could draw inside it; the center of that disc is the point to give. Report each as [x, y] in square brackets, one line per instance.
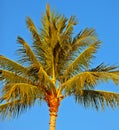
[56, 66]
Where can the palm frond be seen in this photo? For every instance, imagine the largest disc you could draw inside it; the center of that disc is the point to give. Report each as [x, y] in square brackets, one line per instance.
[84, 38]
[105, 68]
[77, 46]
[45, 79]
[61, 23]
[18, 97]
[41, 77]
[12, 109]
[67, 34]
[32, 57]
[97, 99]
[27, 53]
[35, 63]
[39, 47]
[11, 77]
[88, 79]
[46, 29]
[10, 65]
[57, 36]
[33, 30]
[48, 11]
[22, 91]
[82, 62]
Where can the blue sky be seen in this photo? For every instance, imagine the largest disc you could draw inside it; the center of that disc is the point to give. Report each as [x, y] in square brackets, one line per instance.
[104, 17]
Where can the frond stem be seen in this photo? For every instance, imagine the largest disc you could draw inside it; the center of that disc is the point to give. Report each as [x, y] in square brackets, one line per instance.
[53, 73]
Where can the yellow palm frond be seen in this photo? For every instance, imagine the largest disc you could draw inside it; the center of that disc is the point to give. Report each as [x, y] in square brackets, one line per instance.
[48, 11]
[88, 79]
[8, 64]
[22, 91]
[13, 108]
[26, 51]
[73, 48]
[18, 96]
[41, 77]
[61, 23]
[33, 30]
[84, 38]
[82, 61]
[98, 99]
[67, 34]
[45, 80]
[46, 30]
[33, 58]
[11, 77]
[40, 48]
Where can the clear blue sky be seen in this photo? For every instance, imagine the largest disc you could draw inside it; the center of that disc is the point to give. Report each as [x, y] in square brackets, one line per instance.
[103, 15]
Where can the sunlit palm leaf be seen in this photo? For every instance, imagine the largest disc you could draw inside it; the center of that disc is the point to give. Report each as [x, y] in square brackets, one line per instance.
[97, 99]
[82, 62]
[41, 77]
[33, 30]
[11, 77]
[61, 23]
[10, 65]
[40, 48]
[48, 11]
[45, 79]
[12, 109]
[18, 97]
[84, 38]
[80, 42]
[26, 52]
[66, 36]
[33, 59]
[69, 28]
[22, 91]
[88, 79]
[46, 30]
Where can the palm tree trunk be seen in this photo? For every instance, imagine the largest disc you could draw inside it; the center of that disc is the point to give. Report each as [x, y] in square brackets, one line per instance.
[53, 116]
[53, 103]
